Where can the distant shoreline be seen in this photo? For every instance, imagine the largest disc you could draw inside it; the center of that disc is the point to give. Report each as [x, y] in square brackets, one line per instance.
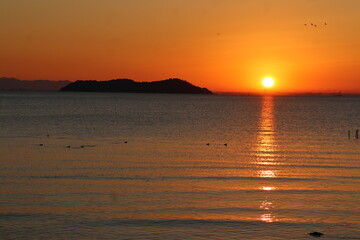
[172, 86]
[215, 93]
[13, 84]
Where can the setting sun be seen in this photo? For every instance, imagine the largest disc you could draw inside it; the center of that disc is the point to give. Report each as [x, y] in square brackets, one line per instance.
[268, 82]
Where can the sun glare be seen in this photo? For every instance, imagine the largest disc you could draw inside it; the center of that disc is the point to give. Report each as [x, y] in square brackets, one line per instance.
[268, 82]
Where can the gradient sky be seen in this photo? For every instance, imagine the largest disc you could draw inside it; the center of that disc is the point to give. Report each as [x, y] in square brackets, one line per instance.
[224, 45]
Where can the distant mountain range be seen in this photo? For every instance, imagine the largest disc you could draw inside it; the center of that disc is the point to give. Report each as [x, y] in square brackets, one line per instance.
[173, 85]
[13, 84]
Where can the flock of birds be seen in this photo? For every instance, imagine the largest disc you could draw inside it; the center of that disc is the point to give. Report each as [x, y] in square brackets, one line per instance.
[314, 25]
[83, 146]
[305, 24]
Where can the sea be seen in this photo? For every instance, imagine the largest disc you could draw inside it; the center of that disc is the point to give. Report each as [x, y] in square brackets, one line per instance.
[173, 166]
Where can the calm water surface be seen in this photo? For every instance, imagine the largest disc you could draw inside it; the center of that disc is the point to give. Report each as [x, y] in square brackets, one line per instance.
[149, 166]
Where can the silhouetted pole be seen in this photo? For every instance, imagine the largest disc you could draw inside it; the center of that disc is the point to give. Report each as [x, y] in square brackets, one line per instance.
[357, 134]
[349, 134]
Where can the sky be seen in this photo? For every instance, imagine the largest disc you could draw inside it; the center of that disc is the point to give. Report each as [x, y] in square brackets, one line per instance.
[223, 45]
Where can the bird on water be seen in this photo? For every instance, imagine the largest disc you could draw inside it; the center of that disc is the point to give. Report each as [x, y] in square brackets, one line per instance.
[316, 234]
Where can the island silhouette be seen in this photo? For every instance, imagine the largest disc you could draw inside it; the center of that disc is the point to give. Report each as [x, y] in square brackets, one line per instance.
[172, 85]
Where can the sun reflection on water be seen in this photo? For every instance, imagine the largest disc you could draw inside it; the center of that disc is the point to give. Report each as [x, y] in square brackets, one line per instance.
[267, 188]
[265, 156]
[267, 217]
[266, 134]
[267, 174]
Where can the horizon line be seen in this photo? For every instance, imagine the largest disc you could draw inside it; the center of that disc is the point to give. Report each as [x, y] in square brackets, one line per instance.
[240, 93]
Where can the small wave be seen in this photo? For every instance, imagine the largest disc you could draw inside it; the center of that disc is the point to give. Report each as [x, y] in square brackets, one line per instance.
[349, 177]
[320, 166]
[198, 222]
[7, 216]
[160, 178]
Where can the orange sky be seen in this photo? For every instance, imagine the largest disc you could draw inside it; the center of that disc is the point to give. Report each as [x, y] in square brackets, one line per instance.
[224, 45]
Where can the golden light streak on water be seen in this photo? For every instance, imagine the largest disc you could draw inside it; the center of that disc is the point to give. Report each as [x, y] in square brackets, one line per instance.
[265, 156]
[267, 217]
[267, 188]
[267, 174]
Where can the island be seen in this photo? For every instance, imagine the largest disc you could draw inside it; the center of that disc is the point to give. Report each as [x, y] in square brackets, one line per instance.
[172, 85]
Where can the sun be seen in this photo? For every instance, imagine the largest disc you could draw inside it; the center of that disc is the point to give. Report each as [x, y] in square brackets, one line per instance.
[268, 82]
